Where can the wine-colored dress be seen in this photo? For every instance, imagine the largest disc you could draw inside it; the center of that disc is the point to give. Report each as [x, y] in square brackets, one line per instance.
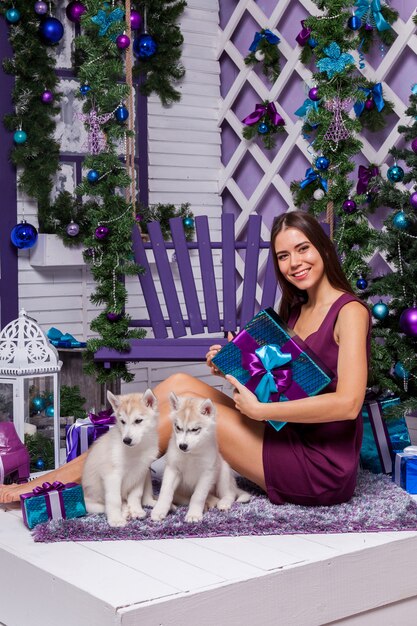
[315, 464]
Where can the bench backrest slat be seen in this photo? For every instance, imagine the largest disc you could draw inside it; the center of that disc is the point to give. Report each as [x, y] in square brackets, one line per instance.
[186, 275]
[251, 269]
[207, 274]
[148, 287]
[229, 272]
[167, 281]
[270, 283]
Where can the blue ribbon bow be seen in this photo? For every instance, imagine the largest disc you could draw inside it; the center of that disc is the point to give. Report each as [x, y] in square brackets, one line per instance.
[306, 107]
[376, 93]
[274, 379]
[264, 34]
[336, 61]
[310, 177]
[371, 8]
[104, 20]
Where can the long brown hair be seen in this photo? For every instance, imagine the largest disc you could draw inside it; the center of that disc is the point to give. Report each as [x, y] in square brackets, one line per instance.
[311, 228]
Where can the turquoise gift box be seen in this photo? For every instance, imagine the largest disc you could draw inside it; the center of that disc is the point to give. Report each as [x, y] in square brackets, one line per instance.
[52, 502]
[405, 469]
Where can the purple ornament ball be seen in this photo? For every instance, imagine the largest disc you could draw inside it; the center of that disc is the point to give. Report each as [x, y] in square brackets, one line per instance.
[113, 317]
[41, 8]
[313, 94]
[369, 104]
[349, 206]
[135, 20]
[47, 97]
[414, 145]
[101, 232]
[122, 42]
[413, 200]
[75, 10]
[408, 322]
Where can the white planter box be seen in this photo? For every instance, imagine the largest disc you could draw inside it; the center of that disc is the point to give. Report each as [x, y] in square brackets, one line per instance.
[49, 251]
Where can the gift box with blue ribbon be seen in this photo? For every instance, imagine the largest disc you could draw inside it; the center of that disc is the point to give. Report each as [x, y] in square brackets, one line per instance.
[382, 438]
[272, 362]
[405, 469]
[81, 434]
[52, 501]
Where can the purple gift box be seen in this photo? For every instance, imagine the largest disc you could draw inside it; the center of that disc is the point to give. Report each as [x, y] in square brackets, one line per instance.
[52, 501]
[81, 434]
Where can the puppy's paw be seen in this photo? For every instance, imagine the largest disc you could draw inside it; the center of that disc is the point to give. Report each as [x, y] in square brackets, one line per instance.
[158, 514]
[224, 504]
[211, 502]
[136, 512]
[116, 521]
[193, 516]
[243, 496]
[149, 502]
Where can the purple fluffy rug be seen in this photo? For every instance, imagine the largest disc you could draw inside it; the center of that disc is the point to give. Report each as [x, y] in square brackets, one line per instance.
[377, 505]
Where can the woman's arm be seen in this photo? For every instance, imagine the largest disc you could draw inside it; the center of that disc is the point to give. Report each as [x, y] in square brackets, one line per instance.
[352, 370]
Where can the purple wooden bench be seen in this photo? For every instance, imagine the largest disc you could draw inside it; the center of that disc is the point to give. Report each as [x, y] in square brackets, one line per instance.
[174, 334]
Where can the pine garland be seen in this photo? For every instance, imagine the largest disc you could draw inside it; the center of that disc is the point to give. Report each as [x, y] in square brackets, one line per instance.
[162, 213]
[369, 31]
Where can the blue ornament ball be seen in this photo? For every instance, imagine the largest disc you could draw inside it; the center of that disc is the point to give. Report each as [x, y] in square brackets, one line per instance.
[395, 174]
[84, 89]
[400, 220]
[322, 163]
[263, 128]
[400, 371]
[49, 411]
[12, 15]
[51, 31]
[38, 403]
[380, 310]
[20, 137]
[121, 114]
[354, 22]
[93, 176]
[188, 222]
[23, 235]
[144, 46]
[312, 42]
[361, 283]
[40, 464]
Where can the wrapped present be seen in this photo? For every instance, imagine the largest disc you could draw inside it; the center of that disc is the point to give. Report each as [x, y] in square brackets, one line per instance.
[405, 469]
[272, 362]
[52, 501]
[14, 456]
[81, 434]
[382, 439]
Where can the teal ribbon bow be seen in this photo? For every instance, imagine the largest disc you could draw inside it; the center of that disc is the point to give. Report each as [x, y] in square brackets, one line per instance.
[105, 20]
[306, 107]
[371, 8]
[272, 358]
[310, 177]
[336, 61]
[376, 93]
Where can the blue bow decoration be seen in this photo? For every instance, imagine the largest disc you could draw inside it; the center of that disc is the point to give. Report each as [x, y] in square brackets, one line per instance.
[104, 20]
[306, 107]
[376, 93]
[272, 358]
[371, 8]
[310, 177]
[336, 60]
[264, 34]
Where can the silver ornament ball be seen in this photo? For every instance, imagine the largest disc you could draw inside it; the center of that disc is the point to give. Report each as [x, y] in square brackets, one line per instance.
[318, 194]
[259, 55]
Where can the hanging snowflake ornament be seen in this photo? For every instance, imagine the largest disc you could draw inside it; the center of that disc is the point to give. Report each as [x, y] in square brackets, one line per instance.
[335, 61]
[96, 141]
[337, 130]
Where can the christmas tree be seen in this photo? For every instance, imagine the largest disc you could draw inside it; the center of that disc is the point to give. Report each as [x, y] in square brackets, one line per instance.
[395, 366]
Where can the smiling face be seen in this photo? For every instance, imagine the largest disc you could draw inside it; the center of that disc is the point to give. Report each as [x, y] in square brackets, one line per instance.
[299, 261]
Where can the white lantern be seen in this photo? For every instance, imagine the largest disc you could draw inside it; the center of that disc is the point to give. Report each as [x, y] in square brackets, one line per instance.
[29, 381]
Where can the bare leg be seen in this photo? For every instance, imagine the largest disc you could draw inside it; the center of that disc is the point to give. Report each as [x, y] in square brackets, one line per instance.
[69, 473]
[240, 439]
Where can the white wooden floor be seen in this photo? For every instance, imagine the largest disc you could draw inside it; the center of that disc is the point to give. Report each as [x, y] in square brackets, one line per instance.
[299, 580]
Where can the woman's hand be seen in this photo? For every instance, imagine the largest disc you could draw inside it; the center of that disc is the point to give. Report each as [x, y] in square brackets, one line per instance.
[245, 401]
[213, 350]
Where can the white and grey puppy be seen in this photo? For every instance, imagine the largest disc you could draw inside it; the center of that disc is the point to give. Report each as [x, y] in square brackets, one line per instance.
[195, 473]
[116, 477]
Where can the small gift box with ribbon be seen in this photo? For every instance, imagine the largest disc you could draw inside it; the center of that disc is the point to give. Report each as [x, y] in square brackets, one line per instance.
[382, 438]
[272, 362]
[84, 432]
[405, 469]
[52, 501]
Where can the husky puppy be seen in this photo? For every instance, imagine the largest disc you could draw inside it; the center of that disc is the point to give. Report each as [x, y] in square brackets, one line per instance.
[195, 473]
[116, 478]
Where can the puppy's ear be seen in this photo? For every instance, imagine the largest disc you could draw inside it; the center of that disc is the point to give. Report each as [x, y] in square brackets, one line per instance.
[149, 399]
[174, 401]
[207, 408]
[114, 400]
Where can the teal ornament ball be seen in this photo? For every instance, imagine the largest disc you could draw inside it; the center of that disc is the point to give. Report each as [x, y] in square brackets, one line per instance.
[361, 283]
[93, 176]
[400, 371]
[188, 222]
[20, 137]
[49, 411]
[322, 163]
[40, 464]
[12, 15]
[380, 310]
[395, 174]
[400, 220]
[38, 403]
[263, 128]
[121, 114]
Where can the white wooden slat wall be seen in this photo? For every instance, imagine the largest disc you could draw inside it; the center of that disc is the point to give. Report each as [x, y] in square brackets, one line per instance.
[184, 166]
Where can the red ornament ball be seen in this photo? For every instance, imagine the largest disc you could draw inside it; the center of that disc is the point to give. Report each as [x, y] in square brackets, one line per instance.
[408, 322]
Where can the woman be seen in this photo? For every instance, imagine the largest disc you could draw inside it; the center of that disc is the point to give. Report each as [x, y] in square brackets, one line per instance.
[313, 460]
